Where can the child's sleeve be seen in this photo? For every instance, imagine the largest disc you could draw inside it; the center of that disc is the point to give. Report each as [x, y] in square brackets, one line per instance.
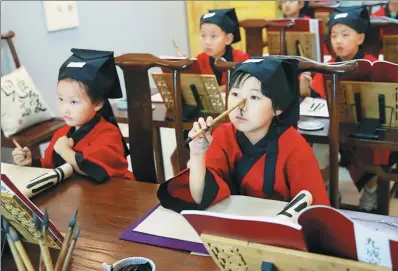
[304, 174]
[104, 157]
[317, 86]
[175, 193]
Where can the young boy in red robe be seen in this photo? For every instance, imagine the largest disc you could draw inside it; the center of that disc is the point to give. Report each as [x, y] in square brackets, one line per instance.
[91, 141]
[218, 30]
[259, 153]
[347, 31]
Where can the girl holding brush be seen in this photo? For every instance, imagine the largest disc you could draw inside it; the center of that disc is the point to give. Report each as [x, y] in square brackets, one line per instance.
[259, 153]
[91, 141]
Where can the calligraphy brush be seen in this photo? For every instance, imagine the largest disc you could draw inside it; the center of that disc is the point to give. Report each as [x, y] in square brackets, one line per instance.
[65, 244]
[177, 48]
[21, 250]
[38, 232]
[72, 245]
[17, 258]
[43, 244]
[221, 116]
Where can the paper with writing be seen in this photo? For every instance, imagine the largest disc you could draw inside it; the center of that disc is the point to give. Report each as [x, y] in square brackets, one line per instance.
[372, 246]
[314, 107]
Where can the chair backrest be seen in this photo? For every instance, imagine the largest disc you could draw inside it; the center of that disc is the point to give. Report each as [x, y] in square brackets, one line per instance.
[8, 37]
[330, 69]
[5, 142]
[254, 34]
[135, 69]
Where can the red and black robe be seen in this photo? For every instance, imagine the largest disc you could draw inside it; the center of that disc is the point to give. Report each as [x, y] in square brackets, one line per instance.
[99, 150]
[207, 66]
[318, 87]
[278, 167]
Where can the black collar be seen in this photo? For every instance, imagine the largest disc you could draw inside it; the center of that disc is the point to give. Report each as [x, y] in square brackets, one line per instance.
[82, 131]
[228, 56]
[360, 55]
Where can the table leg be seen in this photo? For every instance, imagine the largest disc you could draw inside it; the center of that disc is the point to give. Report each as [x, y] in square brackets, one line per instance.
[158, 155]
[383, 196]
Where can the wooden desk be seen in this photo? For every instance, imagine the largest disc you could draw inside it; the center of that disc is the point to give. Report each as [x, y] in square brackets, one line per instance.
[105, 211]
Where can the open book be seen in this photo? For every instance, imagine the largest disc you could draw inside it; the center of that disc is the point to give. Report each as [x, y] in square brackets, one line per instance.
[318, 229]
[19, 210]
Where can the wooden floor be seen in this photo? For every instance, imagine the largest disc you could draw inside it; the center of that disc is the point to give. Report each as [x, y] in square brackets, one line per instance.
[350, 194]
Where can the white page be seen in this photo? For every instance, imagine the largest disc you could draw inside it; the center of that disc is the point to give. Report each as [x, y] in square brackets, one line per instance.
[157, 98]
[372, 246]
[314, 107]
[174, 225]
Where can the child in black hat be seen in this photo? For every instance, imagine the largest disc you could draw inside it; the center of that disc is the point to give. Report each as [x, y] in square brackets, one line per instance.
[259, 153]
[219, 28]
[91, 140]
[347, 32]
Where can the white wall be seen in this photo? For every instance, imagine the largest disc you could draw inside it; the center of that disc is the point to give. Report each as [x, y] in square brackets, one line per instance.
[119, 26]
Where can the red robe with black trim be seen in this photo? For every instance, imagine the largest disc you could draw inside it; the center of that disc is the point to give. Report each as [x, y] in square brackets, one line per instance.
[205, 67]
[296, 169]
[318, 83]
[99, 153]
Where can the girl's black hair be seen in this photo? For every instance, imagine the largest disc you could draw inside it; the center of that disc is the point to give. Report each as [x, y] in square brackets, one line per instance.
[240, 77]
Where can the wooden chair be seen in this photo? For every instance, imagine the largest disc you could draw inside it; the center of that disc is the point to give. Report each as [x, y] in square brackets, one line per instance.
[37, 134]
[135, 69]
[364, 81]
[254, 34]
[334, 70]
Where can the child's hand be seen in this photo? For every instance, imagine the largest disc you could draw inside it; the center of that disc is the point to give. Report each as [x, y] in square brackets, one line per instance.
[201, 143]
[62, 144]
[22, 156]
[305, 84]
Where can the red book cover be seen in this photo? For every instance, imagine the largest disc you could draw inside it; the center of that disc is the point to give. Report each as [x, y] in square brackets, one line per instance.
[317, 229]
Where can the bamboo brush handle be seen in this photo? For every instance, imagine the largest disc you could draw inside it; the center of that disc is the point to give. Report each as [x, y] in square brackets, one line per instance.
[221, 116]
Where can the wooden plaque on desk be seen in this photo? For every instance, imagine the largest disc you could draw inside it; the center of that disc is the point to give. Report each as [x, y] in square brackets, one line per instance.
[369, 97]
[307, 32]
[206, 86]
[390, 48]
[307, 42]
[370, 80]
[18, 210]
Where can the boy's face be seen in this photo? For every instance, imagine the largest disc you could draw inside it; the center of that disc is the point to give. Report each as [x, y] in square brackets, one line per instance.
[214, 40]
[345, 41]
[74, 105]
[257, 113]
[291, 9]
